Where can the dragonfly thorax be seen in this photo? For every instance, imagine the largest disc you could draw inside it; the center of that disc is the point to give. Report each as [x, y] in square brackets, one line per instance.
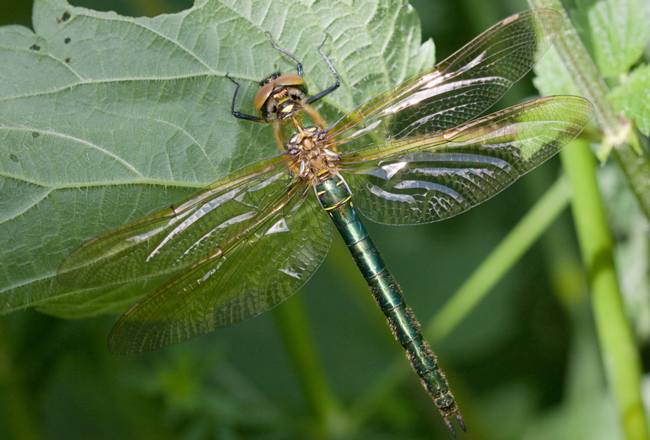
[315, 161]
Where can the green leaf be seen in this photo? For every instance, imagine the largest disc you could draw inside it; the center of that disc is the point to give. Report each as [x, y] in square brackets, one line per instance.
[633, 98]
[106, 118]
[552, 77]
[619, 31]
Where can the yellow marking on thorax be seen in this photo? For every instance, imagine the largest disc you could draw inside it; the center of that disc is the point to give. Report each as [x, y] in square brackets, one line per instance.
[298, 126]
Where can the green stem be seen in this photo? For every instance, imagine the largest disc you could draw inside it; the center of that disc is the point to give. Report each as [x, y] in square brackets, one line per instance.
[619, 351]
[493, 268]
[499, 262]
[636, 167]
[634, 163]
[292, 322]
[582, 69]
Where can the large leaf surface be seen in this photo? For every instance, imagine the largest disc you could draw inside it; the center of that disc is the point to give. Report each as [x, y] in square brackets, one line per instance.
[105, 118]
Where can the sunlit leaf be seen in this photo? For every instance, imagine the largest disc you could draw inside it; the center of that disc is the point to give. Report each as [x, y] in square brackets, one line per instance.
[633, 98]
[105, 118]
[619, 31]
[552, 77]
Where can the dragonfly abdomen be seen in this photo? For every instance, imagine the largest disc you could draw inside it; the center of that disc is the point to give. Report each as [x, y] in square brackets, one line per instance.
[335, 198]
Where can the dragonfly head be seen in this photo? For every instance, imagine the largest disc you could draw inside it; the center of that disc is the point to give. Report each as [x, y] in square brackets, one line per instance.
[280, 92]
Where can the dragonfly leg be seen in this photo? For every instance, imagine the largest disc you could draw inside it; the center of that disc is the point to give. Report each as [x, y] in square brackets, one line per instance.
[237, 114]
[298, 63]
[334, 86]
[328, 90]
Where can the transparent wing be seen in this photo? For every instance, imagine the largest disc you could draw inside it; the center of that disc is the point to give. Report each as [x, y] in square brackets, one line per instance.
[456, 90]
[177, 237]
[266, 266]
[428, 178]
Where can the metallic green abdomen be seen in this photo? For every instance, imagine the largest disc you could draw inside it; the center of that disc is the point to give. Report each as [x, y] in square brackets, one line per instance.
[335, 198]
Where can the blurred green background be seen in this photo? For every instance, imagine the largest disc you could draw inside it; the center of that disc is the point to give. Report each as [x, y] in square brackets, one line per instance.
[524, 364]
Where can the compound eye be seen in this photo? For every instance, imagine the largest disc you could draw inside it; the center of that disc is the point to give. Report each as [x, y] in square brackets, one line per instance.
[263, 95]
[293, 81]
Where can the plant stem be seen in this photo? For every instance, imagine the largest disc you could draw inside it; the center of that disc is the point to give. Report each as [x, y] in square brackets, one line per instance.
[292, 322]
[618, 348]
[499, 262]
[634, 163]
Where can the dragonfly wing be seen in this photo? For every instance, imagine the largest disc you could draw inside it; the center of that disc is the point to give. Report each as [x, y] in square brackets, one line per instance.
[262, 269]
[434, 177]
[179, 236]
[456, 90]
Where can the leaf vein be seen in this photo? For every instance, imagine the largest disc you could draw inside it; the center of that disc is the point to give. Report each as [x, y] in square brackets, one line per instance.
[81, 141]
[164, 37]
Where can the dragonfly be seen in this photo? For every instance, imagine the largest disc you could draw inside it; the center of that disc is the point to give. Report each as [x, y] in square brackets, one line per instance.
[418, 153]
